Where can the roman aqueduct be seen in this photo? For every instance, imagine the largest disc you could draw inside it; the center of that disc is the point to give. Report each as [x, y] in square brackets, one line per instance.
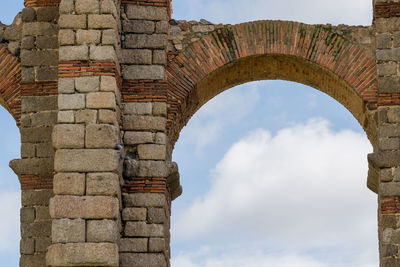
[100, 90]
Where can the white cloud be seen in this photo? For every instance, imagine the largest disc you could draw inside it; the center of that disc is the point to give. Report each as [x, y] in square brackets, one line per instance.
[9, 224]
[301, 189]
[244, 258]
[218, 113]
[353, 12]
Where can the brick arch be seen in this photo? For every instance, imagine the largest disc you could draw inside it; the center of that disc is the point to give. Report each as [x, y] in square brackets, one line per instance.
[314, 55]
[10, 79]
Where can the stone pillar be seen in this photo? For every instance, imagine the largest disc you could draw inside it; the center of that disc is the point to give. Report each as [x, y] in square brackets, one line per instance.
[148, 173]
[38, 88]
[385, 161]
[85, 210]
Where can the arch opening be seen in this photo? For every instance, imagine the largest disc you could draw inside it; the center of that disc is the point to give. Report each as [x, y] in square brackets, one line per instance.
[257, 207]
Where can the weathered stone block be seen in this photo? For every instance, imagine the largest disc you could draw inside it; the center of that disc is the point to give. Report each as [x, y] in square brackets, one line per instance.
[146, 41]
[47, 74]
[393, 115]
[69, 183]
[102, 231]
[28, 42]
[32, 166]
[66, 116]
[66, 37]
[83, 254]
[134, 122]
[102, 53]
[42, 243]
[108, 7]
[143, 259]
[74, 52]
[39, 28]
[36, 134]
[108, 116]
[87, 207]
[88, 36]
[36, 229]
[28, 74]
[68, 231]
[146, 12]
[101, 100]
[161, 138]
[142, 229]
[389, 189]
[42, 213]
[134, 138]
[86, 116]
[159, 57]
[139, 108]
[27, 246]
[143, 72]
[389, 84]
[388, 54]
[87, 84]
[138, 26]
[133, 245]
[46, 42]
[36, 197]
[162, 26]
[156, 244]
[134, 214]
[45, 150]
[145, 168]
[39, 58]
[47, 14]
[152, 152]
[71, 101]
[389, 130]
[66, 85]
[67, 6]
[101, 22]
[28, 14]
[109, 37]
[102, 136]
[86, 160]
[87, 6]
[45, 118]
[28, 150]
[36, 104]
[160, 109]
[108, 84]
[156, 215]
[136, 56]
[36, 260]
[102, 183]
[69, 136]
[144, 200]
[12, 33]
[386, 69]
[69, 21]
[27, 214]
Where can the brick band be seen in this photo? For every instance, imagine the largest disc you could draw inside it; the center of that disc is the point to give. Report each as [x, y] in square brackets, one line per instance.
[45, 88]
[41, 3]
[390, 205]
[36, 181]
[144, 91]
[386, 10]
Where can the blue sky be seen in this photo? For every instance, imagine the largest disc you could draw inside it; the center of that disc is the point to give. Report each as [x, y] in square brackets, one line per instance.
[273, 172]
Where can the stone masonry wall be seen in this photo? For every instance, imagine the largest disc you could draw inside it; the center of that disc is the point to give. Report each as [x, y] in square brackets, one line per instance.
[85, 210]
[101, 89]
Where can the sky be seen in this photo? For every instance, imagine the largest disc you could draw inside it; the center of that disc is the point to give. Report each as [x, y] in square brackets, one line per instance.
[273, 172]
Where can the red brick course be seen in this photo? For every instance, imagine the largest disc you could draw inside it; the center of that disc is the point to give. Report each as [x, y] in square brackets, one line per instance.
[41, 3]
[36, 181]
[144, 91]
[390, 205]
[386, 10]
[10, 78]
